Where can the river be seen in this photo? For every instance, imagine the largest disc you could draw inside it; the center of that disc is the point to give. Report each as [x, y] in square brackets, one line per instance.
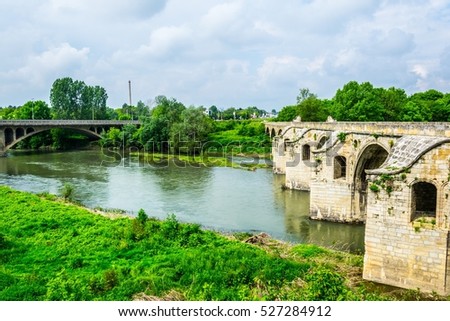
[219, 198]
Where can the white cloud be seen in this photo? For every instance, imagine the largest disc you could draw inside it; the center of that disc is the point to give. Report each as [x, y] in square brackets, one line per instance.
[223, 52]
[420, 70]
[55, 61]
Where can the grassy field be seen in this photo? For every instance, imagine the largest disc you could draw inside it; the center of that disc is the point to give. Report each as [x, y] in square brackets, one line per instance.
[54, 250]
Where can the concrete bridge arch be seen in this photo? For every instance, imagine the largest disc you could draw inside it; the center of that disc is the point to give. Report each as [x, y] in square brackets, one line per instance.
[21, 134]
[14, 131]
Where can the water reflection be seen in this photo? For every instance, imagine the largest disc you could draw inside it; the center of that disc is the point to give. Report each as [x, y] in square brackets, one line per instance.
[296, 214]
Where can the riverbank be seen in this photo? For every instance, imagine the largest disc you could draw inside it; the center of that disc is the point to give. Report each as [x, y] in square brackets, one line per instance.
[53, 250]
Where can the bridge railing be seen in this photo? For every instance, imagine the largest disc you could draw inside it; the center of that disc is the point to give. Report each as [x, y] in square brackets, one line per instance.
[62, 122]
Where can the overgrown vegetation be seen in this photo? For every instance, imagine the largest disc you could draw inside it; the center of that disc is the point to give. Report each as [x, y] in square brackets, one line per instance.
[364, 102]
[51, 250]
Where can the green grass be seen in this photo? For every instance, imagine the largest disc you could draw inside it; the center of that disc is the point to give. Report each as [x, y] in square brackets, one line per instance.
[53, 250]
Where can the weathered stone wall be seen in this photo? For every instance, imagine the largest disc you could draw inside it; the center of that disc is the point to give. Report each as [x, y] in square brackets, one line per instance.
[278, 156]
[402, 249]
[396, 179]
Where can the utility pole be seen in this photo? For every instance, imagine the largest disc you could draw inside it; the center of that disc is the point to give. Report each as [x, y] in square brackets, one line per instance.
[129, 91]
[129, 94]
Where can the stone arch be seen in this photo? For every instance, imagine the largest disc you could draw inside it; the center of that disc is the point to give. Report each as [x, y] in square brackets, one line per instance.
[29, 130]
[423, 200]
[267, 131]
[272, 133]
[280, 132]
[372, 156]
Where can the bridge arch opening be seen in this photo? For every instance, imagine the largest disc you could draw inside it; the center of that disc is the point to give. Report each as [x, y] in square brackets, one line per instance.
[272, 134]
[306, 152]
[340, 167]
[279, 132]
[322, 142]
[29, 130]
[371, 157]
[20, 132]
[9, 136]
[423, 200]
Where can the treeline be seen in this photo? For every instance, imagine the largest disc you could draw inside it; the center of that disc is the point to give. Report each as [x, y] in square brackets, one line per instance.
[167, 124]
[172, 127]
[364, 102]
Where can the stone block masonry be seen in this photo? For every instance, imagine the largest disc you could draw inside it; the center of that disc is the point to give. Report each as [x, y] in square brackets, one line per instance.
[392, 176]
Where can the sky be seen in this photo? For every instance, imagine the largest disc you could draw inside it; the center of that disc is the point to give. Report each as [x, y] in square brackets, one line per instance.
[227, 53]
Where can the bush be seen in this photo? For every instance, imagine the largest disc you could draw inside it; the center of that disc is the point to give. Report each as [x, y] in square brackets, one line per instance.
[325, 285]
[67, 191]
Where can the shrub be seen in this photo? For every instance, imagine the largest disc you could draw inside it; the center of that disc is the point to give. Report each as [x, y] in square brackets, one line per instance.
[325, 285]
[67, 191]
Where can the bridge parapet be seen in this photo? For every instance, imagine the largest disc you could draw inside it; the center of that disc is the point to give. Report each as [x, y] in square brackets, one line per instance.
[380, 128]
[62, 122]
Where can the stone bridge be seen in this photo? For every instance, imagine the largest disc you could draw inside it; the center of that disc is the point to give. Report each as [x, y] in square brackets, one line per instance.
[394, 177]
[13, 131]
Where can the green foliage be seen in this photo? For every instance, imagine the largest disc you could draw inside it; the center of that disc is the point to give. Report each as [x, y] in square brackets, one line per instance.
[73, 99]
[56, 251]
[341, 136]
[325, 285]
[308, 250]
[67, 191]
[236, 137]
[374, 188]
[142, 217]
[34, 110]
[288, 113]
[189, 135]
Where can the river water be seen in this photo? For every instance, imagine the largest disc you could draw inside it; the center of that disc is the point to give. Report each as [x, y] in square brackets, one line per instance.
[219, 198]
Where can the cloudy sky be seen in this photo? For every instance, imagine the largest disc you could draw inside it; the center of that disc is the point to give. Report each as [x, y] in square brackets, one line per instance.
[226, 53]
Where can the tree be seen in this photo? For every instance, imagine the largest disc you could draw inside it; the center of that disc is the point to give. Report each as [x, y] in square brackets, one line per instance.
[34, 110]
[412, 111]
[189, 134]
[213, 112]
[75, 100]
[304, 95]
[154, 135]
[169, 108]
[432, 105]
[441, 109]
[312, 109]
[288, 113]
[8, 112]
[393, 100]
[358, 102]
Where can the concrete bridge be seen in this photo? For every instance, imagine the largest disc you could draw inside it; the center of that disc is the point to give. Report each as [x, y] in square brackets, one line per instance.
[394, 177]
[14, 131]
